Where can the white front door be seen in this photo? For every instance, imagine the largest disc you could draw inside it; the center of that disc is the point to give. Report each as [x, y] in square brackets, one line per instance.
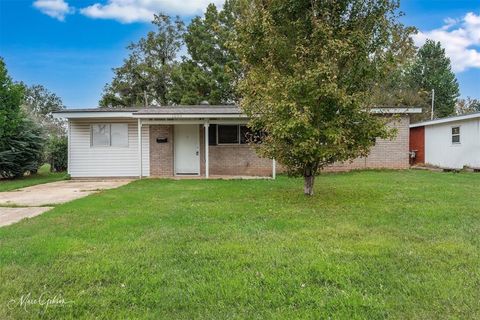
[187, 149]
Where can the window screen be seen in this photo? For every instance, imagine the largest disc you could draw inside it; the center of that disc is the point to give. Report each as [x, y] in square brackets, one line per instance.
[227, 134]
[119, 135]
[109, 135]
[100, 135]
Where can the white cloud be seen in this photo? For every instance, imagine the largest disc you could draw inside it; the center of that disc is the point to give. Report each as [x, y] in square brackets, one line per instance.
[128, 11]
[460, 38]
[57, 9]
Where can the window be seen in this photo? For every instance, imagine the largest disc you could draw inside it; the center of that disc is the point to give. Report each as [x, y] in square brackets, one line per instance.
[100, 135]
[456, 135]
[119, 134]
[109, 135]
[245, 134]
[232, 134]
[228, 134]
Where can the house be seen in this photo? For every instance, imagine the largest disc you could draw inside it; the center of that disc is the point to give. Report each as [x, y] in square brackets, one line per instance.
[201, 140]
[450, 143]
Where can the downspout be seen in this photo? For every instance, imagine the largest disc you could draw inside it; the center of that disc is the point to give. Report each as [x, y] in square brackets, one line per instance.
[140, 169]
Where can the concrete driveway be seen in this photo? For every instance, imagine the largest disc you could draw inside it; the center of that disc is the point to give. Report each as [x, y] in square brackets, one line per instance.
[34, 200]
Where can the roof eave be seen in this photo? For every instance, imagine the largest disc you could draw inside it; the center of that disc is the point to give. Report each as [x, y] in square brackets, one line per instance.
[446, 120]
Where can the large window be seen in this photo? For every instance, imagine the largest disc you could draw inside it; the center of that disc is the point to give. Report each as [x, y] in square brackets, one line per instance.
[232, 134]
[219, 134]
[455, 135]
[109, 135]
[228, 134]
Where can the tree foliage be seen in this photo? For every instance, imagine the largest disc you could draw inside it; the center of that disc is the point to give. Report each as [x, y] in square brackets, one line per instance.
[396, 89]
[145, 76]
[466, 106]
[310, 67]
[152, 74]
[57, 153]
[21, 141]
[39, 104]
[211, 71]
[432, 70]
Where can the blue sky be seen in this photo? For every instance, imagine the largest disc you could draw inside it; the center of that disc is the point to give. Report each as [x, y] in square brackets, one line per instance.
[70, 46]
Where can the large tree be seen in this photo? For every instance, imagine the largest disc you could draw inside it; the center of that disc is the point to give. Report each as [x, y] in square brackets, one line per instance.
[395, 89]
[310, 67]
[145, 76]
[211, 71]
[39, 104]
[432, 71]
[21, 142]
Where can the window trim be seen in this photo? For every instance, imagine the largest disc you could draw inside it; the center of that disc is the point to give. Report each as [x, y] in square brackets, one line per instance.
[239, 143]
[459, 134]
[109, 124]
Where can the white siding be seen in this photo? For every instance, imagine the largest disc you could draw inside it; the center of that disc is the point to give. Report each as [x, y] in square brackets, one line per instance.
[88, 161]
[440, 151]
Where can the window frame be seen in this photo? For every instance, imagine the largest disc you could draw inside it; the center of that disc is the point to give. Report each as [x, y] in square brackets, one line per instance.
[459, 135]
[239, 137]
[109, 135]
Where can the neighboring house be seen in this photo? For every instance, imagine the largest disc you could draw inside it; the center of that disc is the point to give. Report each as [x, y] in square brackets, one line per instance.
[105, 143]
[450, 143]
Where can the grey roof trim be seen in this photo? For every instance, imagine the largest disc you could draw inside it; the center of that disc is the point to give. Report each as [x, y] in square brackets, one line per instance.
[446, 120]
[196, 109]
[98, 110]
[182, 111]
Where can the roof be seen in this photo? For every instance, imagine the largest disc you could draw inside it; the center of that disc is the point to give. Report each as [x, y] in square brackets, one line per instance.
[446, 120]
[196, 109]
[184, 111]
[98, 110]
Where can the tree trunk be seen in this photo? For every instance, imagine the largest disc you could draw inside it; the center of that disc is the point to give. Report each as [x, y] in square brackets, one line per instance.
[308, 184]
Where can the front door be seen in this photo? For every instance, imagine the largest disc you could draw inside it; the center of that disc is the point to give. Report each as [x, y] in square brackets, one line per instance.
[187, 149]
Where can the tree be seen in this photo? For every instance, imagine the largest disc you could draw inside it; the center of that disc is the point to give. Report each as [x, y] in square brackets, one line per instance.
[468, 105]
[432, 71]
[310, 67]
[21, 141]
[57, 153]
[145, 76]
[212, 69]
[396, 90]
[39, 104]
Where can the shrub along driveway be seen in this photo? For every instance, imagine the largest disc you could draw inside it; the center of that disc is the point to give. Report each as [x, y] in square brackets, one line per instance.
[368, 245]
[34, 200]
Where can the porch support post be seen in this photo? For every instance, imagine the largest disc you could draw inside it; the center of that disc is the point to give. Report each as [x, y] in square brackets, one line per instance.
[140, 169]
[274, 169]
[206, 125]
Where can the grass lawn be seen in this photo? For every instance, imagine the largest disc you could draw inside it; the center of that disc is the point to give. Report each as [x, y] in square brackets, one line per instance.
[43, 176]
[368, 245]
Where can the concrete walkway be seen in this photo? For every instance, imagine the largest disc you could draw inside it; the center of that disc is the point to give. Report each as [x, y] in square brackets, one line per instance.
[36, 200]
[12, 215]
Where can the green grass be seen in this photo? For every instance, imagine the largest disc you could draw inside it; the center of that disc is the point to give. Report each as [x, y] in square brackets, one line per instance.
[368, 245]
[43, 176]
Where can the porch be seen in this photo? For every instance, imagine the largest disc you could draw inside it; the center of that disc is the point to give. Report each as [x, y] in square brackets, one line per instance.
[199, 147]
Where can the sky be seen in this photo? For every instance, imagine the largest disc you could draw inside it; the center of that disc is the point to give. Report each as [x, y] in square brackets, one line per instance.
[70, 46]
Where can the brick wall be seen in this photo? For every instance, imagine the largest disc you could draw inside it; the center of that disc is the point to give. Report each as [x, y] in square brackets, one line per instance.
[391, 154]
[236, 160]
[161, 154]
[240, 160]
